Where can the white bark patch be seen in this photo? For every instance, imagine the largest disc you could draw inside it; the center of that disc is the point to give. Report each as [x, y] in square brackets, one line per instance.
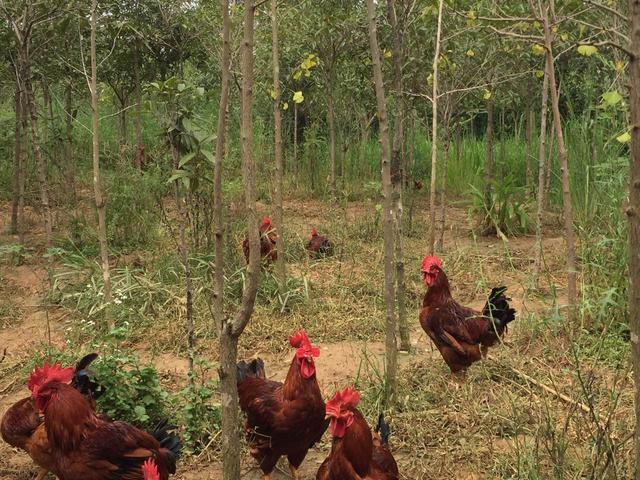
[634, 338]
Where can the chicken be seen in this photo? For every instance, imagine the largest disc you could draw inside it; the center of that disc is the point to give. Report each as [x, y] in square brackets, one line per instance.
[356, 453]
[22, 427]
[462, 335]
[88, 447]
[268, 238]
[283, 419]
[319, 245]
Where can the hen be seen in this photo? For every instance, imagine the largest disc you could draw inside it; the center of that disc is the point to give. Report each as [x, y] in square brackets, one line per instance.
[88, 447]
[22, 427]
[283, 419]
[462, 335]
[319, 245]
[268, 238]
[356, 453]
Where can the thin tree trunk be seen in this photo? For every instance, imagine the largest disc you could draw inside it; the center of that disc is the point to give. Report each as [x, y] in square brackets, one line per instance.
[277, 137]
[412, 145]
[138, 94]
[537, 264]
[71, 161]
[572, 286]
[488, 169]
[231, 330]
[434, 135]
[296, 167]
[122, 129]
[17, 163]
[530, 118]
[391, 357]
[633, 214]
[446, 142]
[97, 182]
[397, 169]
[41, 168]
[331, 122]
[223, 108]
[549, 168]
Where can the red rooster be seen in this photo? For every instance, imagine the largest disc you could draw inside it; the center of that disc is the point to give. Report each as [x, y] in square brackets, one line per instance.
[88, 447]
[356, 453]
[283, 419]
[268, 239]
[22, 427]
[319, 245]
[462, 335]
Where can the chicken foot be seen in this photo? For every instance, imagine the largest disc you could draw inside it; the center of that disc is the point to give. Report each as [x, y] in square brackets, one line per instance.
[294, 472]
[42, 473]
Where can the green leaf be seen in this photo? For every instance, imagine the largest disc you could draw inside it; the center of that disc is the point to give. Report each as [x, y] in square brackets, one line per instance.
[141, 413]
[200, 91]
[611, 99]
[624, 138]
[186, 159]
[208, 155]
[587, 50]
[177, 174]
[537, 49]
[181, 87]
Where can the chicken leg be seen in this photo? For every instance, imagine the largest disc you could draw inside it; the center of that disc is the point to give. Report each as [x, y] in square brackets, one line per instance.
[294, 472]
[42, 473]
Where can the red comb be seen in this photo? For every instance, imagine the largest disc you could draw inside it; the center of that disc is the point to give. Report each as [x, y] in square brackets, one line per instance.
[347, 398]
[430, 260]
[150, 470]
[314, 232]
[266, 221]
[49, 373]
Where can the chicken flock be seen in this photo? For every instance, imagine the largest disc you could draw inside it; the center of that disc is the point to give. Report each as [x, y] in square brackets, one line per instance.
[60, 429]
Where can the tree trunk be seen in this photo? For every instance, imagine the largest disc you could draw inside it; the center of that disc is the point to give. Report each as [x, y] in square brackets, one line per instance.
[138, 94]
[572, 287]
[549, 168]
[488, 169]
[122, 130]
[633, 214]
[97, 182]
[434, 135]
[17, 163]
[277, 137]
[231, 330]
[446, 142]
[537, 264]
[225, 70]
[296, 167]
[331, 122]
[70, 116]
[530, 119]
[387, 212]
[41, 168]
[397, 171]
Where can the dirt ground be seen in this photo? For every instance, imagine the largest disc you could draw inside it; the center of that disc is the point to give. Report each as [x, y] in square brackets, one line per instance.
[35, 325]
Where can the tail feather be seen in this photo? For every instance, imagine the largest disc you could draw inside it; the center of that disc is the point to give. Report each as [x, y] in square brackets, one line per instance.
[383, 429]
[82, 378]
[255, 368]
[170, 441]
[498, 309]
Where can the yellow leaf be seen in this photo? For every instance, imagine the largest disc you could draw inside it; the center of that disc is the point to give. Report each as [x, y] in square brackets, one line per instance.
[387, 53]
[298, 97]
[430, 79]
[624, 138]
[554, 29]
[487, 94]
[471, 15]
[537, 49]
[564, 37]
[470, 53]
[587, 50]
[272, 93]
[285, 106]
[537, 25]
[619, 66]
[539, 73]
[297, 75]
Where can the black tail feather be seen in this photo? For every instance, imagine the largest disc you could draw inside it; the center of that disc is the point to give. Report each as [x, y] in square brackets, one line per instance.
[383, 429]
[255, 368]
[498, 309]
[165, 434]
[82, 378]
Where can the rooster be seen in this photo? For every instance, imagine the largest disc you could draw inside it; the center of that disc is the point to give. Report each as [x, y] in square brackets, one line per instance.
[86, 446]
[22, 427]
[462, 335]
[268, 238]
[356, 453]
[319, 245]
[283, 419]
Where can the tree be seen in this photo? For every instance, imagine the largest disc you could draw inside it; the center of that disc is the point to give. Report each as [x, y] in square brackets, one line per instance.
[391, 360]
[233, 328]
[100, 200]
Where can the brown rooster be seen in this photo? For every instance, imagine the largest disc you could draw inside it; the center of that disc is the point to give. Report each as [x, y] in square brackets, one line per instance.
[319, 245]
[88, 447]
[356, 453]
[283, 419]
[462, 335]
[22, 426]
[268, 238]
